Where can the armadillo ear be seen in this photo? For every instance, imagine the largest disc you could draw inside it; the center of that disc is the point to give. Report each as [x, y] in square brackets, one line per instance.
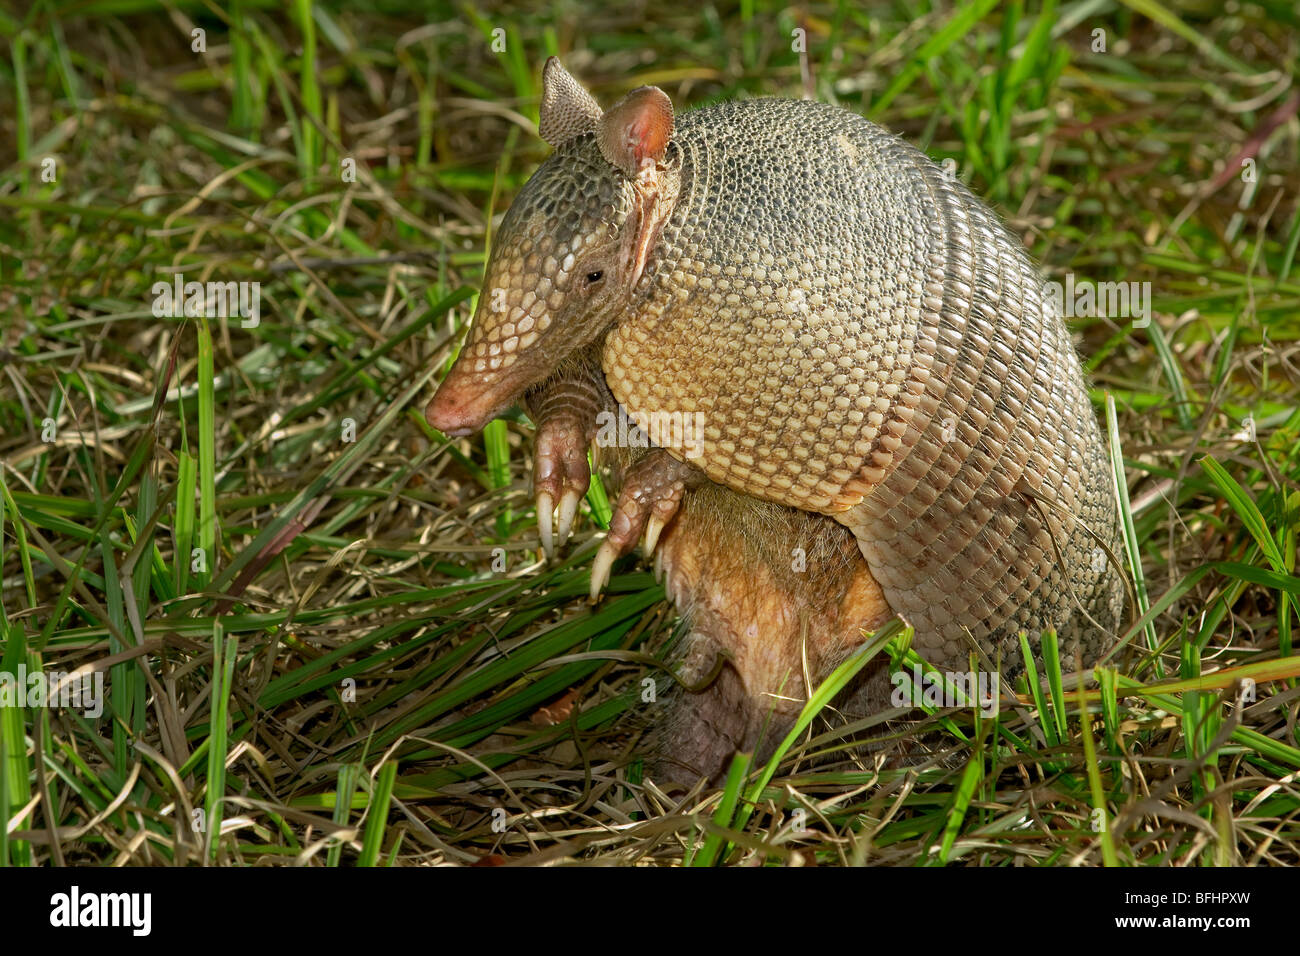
[634, 133]
[567, 109]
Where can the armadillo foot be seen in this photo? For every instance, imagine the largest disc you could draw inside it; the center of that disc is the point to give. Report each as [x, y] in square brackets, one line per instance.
[651, 494]
[560, 473]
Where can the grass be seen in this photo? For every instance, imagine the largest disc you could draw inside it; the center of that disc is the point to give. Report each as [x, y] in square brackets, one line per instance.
[327, 632]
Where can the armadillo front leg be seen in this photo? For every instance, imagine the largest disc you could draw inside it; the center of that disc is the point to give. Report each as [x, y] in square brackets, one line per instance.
[651, 494]
[565, 410]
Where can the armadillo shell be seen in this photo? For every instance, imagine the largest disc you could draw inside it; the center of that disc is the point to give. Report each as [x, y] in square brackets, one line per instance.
[863, 338]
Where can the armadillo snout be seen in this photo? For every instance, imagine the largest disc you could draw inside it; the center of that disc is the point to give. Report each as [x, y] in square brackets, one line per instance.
[468, 400]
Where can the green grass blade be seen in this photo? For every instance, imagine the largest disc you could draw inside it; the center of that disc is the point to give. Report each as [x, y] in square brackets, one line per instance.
[962, 22]
[209, 538]
[1246, 510]
[1099, 808]
[736, 773]
[224, 651]
[377, 815]
[1128, 525]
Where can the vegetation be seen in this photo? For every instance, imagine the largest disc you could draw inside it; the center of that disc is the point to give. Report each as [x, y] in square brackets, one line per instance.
[326, 631]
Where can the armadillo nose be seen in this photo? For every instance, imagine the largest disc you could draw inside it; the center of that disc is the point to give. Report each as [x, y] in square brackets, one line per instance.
[454, 414]
[447, 417]
[461, 408]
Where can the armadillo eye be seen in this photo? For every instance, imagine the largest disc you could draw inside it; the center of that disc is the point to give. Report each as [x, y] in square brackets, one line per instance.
[594, 277]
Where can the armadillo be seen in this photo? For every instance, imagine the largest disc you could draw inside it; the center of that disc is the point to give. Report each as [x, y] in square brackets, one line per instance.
[882, 386]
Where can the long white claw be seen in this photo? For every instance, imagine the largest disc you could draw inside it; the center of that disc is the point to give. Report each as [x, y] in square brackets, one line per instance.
[568, 509]
[545, 515]
[653, 526]
[601, 566]
[659, 565]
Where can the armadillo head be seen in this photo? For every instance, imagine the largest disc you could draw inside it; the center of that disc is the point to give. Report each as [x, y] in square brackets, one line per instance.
[570, 251]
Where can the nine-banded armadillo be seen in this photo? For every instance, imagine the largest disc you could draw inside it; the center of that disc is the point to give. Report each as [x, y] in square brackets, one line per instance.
[884, 389]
